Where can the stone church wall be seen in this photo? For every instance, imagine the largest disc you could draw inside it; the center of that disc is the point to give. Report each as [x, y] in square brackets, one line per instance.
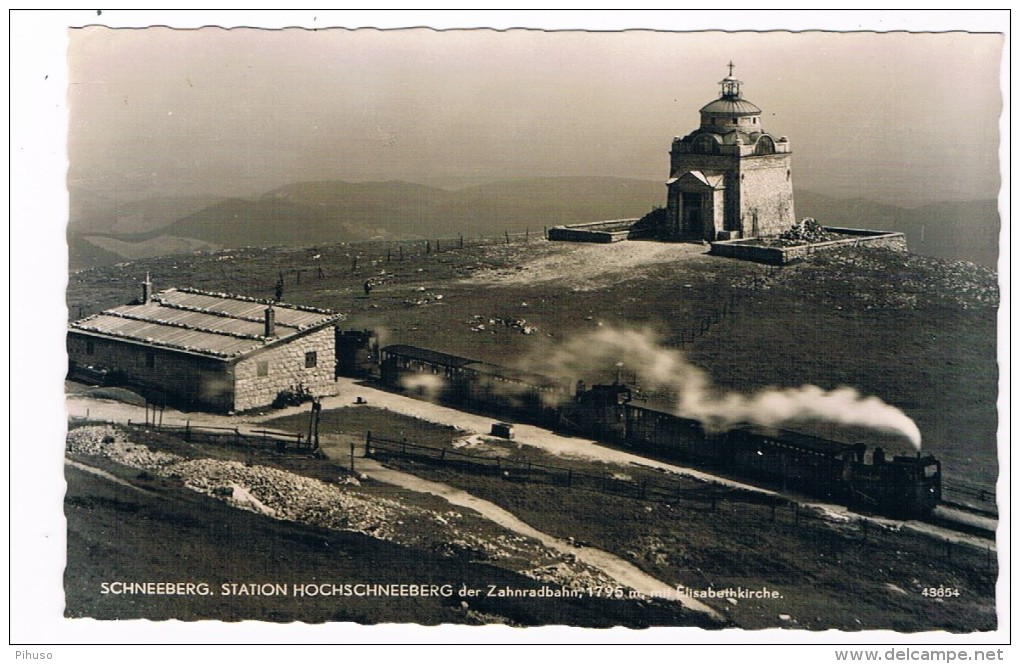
[766, 195]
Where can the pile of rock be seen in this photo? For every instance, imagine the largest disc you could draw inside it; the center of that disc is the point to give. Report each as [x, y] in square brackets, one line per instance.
[290, 497]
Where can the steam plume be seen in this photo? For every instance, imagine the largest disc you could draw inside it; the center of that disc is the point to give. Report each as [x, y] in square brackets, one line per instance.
[429, 386]
[665, 369]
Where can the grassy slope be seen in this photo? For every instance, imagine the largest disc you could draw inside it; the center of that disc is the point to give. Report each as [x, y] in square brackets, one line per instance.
[918, 333]
[171, 534]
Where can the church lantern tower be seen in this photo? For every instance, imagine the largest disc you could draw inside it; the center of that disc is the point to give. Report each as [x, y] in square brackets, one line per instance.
[729, 178]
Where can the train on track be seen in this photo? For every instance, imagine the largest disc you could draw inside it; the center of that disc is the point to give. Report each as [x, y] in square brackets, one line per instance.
[855, 474]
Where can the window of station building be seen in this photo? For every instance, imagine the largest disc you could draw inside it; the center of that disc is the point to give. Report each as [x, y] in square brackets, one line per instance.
[311, 359]
[90, 347]
[262, 369]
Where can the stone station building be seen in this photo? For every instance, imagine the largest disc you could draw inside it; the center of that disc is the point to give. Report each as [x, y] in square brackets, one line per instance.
[208, 351]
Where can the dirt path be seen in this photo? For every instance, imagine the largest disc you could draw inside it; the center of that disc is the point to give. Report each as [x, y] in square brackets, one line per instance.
[621, 571]
[104, 475]
[349, 391]
[587, 265]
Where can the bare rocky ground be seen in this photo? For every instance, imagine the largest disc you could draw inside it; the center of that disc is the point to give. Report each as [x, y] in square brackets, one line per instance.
[918, 333]
[417, 527]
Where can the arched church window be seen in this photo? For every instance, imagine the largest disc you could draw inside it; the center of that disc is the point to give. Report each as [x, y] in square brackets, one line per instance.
[765, 145]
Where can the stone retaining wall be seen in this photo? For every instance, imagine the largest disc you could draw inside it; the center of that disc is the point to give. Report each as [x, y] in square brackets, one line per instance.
[750, 250]
[598, 231]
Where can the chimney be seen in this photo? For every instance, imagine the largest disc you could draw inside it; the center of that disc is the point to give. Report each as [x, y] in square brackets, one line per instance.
[146, 289]
[270, 330]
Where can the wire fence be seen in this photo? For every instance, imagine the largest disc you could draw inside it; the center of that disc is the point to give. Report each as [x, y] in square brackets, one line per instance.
[831, 530]
[279, 441]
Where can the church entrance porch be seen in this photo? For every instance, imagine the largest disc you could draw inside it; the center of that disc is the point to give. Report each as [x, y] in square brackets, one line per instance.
[695, 206]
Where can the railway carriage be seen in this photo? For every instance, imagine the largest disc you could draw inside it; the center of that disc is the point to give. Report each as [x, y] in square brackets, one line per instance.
[903, 486]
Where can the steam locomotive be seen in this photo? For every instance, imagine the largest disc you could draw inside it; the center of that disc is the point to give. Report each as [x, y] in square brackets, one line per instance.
[851, 473]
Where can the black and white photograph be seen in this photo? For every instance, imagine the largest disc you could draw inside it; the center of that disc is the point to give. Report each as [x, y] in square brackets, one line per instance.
[649, 333]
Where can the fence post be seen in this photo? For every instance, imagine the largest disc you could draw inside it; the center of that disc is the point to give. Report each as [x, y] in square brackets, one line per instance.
[368, 443]
[187, 431]
[442, 456]
[499, 467]
[352, 458]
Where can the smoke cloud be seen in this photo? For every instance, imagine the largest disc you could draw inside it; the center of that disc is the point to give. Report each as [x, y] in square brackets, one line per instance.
[668, 370]
[429, 386]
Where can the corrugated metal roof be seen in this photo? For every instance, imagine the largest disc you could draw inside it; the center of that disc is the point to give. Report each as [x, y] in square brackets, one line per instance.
[212, 324]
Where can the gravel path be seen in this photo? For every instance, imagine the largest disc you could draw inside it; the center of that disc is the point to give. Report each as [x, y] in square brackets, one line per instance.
[349, 391]
[587, 265]
[619, 570]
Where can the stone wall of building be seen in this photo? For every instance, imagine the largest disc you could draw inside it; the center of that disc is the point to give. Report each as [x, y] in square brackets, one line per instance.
[161, 375]
[766, 195]
[284, 368]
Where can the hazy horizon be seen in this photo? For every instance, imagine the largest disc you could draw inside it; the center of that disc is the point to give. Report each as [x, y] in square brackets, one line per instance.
[893, 117]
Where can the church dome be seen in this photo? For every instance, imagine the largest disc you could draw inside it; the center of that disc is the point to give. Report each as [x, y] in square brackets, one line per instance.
[727, 106]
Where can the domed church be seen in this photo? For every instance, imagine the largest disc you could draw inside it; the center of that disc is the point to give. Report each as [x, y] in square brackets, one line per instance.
[729, 178]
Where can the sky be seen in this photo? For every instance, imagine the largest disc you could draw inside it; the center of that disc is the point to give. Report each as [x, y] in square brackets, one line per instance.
[908, 118]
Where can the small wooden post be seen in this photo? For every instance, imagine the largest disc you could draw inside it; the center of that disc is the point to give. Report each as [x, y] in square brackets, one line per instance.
[368, 443]
[400, 248]
[352, 458]
[442, 456]
[507, 235]
[187, 431]
[461, 240]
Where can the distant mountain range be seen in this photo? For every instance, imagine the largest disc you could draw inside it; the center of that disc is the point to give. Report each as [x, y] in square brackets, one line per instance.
[102, 232]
